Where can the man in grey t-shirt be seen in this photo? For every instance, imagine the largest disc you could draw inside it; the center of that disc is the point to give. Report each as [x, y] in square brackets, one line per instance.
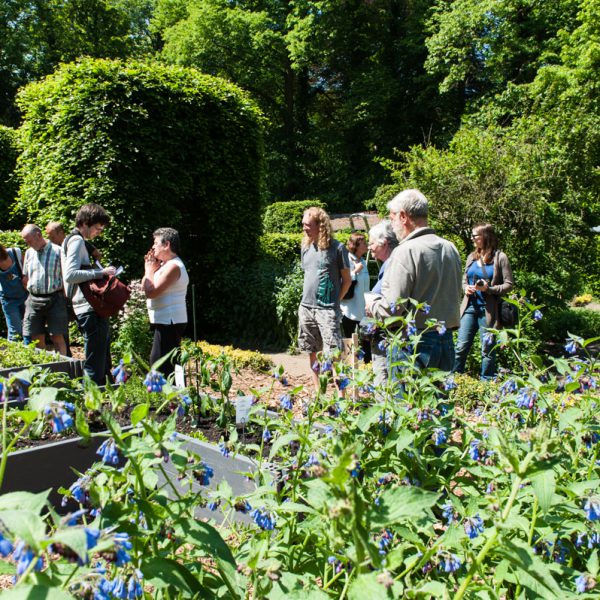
[326, 280]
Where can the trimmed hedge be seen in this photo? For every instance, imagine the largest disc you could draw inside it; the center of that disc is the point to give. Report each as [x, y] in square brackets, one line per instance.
[10, 239]
[286, 217]
[9, 183]
[156, 146]
[555, 326]
[284, 248]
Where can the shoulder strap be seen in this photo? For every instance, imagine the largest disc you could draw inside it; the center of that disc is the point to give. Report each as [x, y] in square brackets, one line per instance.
[18, 259]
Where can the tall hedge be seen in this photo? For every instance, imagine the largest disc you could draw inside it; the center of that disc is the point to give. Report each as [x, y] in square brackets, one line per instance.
[9, 151]
[155, 145]
[286, 217]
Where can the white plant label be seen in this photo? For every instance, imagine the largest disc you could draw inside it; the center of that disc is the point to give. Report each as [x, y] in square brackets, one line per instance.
[243, 404]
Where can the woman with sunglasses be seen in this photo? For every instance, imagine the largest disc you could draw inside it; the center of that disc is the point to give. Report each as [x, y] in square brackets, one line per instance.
[486, 279]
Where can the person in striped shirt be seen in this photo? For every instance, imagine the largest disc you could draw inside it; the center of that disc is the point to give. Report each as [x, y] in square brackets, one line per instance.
[46, 304]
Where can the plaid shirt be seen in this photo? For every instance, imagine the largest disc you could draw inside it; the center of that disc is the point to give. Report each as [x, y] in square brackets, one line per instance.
[43, 269]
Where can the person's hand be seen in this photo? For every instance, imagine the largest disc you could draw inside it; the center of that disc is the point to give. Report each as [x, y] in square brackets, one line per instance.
[109, 271]
[368, 312]
[470, 290]
[151, 263]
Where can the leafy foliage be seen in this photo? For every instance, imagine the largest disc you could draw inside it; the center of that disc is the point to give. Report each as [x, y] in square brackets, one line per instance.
[286, 217]
[240, 359]
[156, 146]
[9, 151]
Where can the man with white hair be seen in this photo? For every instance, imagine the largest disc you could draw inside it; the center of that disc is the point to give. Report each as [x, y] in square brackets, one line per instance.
[46, 304]
[425, 268]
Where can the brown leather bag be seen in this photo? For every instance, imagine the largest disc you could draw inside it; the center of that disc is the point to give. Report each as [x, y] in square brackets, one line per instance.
[107, 296]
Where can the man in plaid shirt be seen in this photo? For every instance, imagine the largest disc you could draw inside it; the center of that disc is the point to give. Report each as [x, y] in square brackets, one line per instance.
[46, 305]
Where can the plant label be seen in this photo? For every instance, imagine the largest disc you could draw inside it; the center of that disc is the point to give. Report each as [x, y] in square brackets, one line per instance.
[242, 409]
[179, 376]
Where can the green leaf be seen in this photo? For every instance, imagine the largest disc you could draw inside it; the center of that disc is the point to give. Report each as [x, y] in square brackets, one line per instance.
[35, 592]
[295, 507]
[367, 418]
[81, 424]
[529, 569]
[24, 524]
[544, 486]
[367, 586]
[296, 587]
[592, 564]
[165, 572]
[74, 538]
[207, 539]
[138, 413]
[396, 505]
[281, 441]
[24, 501]
[28, 416]
[42, 397]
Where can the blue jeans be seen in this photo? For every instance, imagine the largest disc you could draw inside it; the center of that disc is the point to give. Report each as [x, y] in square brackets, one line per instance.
[96, 335]
[474, 320]
[14, 310]
[434, 352]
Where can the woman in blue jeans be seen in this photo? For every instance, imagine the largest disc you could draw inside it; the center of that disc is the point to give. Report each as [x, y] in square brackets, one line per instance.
[12, 292]
[486, 279]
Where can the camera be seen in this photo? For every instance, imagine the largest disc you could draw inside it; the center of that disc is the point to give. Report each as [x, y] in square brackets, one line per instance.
[480, 282]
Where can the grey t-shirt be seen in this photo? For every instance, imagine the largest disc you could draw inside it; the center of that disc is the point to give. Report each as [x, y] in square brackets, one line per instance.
[322, 275]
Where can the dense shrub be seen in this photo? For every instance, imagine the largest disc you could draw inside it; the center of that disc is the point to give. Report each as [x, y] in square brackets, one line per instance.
[241, 359]
[9, 151]
[282, 248]
[579, 321]
[156, 146]
[288, 295]
[286, 217]
[10, 239]
[249, 318]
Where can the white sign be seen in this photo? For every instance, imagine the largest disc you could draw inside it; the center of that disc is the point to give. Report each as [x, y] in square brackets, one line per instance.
[179, 376]
[243, 404]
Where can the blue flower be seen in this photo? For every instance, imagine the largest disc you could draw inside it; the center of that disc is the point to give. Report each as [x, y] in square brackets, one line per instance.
[122, 545]
[266, 436]
[6, 546]
[439, 436]
[91, 537]
[383, 345]
[474, 526]
[474, 452]
[263, 519]
[449, 563]
[411, 329]
[585, 583]
[592, 508]
[120, 373]
[387, 537]
[426, 308]
[441, 328]
[285, 402]
[526, 398]
[24, 556]
[449, 383]
[224, 449]
[537, 315]
[343, 382]
[571, 346]
[488, 339]
[108, 451]
[508, 387]
[448, 512]
[134, 587]
[356, 470]
[360, 354]
[59, 415]
[326, 366]
[154, 381]
[204, 473]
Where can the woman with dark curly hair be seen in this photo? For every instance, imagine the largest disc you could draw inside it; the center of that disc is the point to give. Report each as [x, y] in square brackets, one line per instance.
[487, 277]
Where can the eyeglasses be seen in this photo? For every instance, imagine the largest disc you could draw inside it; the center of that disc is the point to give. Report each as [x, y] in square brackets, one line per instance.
[475, 236]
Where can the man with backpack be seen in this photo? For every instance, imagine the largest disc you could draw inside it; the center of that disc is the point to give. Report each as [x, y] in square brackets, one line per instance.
[77, 268]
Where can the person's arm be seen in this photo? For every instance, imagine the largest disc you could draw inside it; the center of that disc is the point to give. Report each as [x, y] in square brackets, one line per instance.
[155, 284]
[507, 277]
[346, 282]
[72, 271]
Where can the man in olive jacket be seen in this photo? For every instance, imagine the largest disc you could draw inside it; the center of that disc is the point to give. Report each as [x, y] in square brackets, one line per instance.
[427, 269]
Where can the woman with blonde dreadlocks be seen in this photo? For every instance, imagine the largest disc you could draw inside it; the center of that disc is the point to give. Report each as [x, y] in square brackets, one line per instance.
[326, 280]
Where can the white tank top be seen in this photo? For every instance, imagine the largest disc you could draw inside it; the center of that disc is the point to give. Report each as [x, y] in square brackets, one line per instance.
[169, 307]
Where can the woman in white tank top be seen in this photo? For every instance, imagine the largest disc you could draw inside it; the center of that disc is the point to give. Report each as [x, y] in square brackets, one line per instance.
[165, 284]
